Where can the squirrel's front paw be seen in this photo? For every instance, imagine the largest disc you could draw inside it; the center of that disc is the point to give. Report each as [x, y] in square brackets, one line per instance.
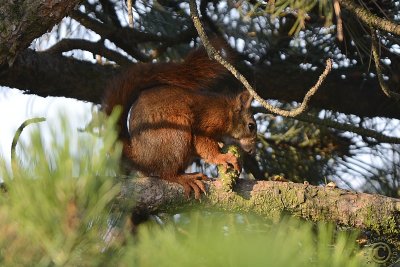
[229, 160]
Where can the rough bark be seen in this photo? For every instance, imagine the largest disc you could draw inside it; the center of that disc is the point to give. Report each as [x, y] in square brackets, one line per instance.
[273, 199]
[59, 76]
[23, 21]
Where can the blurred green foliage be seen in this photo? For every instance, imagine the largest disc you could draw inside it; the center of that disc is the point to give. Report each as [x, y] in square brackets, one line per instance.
[219, 239]
[58, 211]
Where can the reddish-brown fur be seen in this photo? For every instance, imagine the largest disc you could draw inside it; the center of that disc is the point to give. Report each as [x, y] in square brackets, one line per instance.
[174, 118]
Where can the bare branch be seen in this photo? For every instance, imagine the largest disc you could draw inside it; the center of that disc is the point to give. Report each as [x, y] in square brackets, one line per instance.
[124, 38]
[339, 22]
[127, 38]
[115, 34]
[94, 47]
[59, 76]
[214, 54]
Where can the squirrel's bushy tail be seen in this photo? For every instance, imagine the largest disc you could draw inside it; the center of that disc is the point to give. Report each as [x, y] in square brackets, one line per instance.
[196, 72]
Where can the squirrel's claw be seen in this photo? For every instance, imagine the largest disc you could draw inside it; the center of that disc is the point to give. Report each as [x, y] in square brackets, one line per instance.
[229, 160]
[193, 181]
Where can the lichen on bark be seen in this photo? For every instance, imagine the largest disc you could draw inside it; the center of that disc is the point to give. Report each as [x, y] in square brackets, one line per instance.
[272, 200]
[229, 176]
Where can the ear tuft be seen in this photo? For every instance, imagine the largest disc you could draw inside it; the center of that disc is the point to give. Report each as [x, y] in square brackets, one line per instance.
[243, 100]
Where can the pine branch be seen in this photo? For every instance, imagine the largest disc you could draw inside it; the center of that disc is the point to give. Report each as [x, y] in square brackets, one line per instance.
[271, 200]
[369, 18]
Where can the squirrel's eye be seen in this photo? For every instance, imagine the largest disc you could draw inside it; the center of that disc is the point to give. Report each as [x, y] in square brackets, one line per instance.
[252, 126]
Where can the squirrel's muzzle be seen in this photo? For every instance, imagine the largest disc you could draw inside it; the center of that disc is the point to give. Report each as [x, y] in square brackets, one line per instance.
[248, 145]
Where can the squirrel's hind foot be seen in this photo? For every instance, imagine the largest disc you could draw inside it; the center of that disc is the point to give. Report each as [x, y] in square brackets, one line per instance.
[193, 181]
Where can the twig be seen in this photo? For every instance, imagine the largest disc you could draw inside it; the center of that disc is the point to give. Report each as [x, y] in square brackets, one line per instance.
[215, 55]
[375, 56]
[130, 14]
[339, 22]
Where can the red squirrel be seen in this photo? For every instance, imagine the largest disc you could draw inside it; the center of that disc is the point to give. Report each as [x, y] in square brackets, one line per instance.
[174, 118]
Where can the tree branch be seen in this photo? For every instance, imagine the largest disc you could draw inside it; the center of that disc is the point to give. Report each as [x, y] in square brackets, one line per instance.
[130, 13]
[127, 38]
[279, 81]
[124, 38]
[272, 200]
[59, 76]
[97, 48]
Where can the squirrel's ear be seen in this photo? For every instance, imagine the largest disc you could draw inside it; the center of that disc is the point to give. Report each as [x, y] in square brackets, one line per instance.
[243, 100]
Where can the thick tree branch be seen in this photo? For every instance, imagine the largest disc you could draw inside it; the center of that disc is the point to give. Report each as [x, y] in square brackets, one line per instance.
[69, 77]
[272, 200]
[59, 76]
[23, 21]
